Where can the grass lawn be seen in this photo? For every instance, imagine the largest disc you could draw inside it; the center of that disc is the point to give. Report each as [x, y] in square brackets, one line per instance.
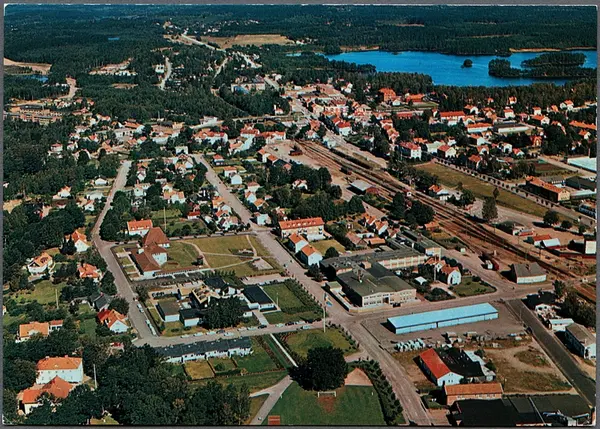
[255, 382]
[301, 341]
[323, 245]
[287, 298]
[44, 293]
[255, 404]
[483, 189]
[279, 355]
[8, 320]
[354, 405]
[88, 326]
[181, 254]
[222, 252]
[258, 361]
[222, 365]
[158, 217]
[199, 370]
[108, 420]
[468, 287]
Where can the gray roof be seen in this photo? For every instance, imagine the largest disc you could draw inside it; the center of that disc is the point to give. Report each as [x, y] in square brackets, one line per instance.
[168, 307]
[361, 185]
[376, 279]
[203, 347]
[584, 336]
[528, 270]
[354, 260]
[257, 295]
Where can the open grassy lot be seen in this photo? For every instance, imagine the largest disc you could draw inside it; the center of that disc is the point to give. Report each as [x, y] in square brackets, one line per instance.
[258, 361]
[468, 287]
[255, 382]
[222, 365]
[88, 327]
[281, 317]
[199, 370]
[532, 357]
[287, 298]
[44, 293]
[301, 341]
[264, 253]
[482, 189]
[181, 254]
[323, 245]
[249, 39]
[104, 421]
[353, 405]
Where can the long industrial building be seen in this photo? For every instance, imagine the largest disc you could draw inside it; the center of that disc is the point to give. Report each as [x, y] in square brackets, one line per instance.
[442, 318]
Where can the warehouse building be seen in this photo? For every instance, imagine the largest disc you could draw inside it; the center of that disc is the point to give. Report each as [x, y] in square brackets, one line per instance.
[442, 318]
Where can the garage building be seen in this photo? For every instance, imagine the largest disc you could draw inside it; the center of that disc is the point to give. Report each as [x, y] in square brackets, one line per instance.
[442, 318]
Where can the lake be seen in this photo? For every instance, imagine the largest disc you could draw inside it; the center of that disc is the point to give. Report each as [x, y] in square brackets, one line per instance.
[446, 69]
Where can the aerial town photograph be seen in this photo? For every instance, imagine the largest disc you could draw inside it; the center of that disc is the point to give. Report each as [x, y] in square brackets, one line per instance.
[299, 215]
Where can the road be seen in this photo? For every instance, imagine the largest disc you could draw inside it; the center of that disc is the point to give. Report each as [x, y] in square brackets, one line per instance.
[136, 318]
[168, 71]
[275, 392]
[559, 354]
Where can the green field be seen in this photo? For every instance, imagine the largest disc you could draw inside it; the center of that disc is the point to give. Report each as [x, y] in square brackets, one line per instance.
[301, 341]
[255, 382]
[222, 365]
[45, 293]
[323, 245]
[281, 317]
[353, 405]
[222, 253]
[180, 254]
[279, 355]
[258, 361]
[199, 370]
[468, 287]
[88, 326]
[287, 298]
[483, 189]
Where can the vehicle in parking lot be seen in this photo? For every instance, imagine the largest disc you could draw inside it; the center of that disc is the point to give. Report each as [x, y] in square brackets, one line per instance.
[280, 325]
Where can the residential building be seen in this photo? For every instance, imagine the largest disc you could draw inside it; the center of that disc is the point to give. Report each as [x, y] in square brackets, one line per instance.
[139, 227]
[313, 228]
[257, 298]
[410, 150]
[168, 310]
[547, 190]
[68, 368]
[30, 398]
[450, 275]
[310, 256]
[296, 242]
[41, 264]
[79, 240]
[89, 271]
[27, 330]
[201, 350]
[114, 321]
[156, 236]
[452, 366]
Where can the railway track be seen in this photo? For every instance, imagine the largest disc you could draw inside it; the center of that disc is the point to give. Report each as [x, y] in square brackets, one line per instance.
[451, 218]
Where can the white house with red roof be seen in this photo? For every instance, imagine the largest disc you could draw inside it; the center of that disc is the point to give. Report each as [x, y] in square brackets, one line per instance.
[68, 368]
[435, 368]
[410, 150]
[310, 256]
[297, 242]
[139, 227]
[113, 320]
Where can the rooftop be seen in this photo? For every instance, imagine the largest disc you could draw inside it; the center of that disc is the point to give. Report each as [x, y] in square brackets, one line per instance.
[257, 295]
[203, 347]
[350, 261]
[376, 279]
[441, 315]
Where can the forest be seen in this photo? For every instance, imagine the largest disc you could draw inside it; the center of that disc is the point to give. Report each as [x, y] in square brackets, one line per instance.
[545, 66]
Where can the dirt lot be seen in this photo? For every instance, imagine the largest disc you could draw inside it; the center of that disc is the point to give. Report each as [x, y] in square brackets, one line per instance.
[527, 369]
[249, 39]
[504, 325]
[36, 67]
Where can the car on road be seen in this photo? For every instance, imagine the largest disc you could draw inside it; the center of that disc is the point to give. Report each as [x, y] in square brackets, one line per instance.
[280, 325]
[198, 334]
[211, 333]
[290, 323]
[262, 326]
[221, 331]
[228, 334]
[186, 336]
[243, 328]
[252, 328]
[306, 327]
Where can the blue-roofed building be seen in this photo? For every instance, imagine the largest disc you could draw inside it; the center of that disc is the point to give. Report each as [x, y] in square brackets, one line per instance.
[442, 318]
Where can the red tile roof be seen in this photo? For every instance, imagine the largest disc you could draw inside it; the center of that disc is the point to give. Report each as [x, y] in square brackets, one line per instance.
[434, 363]
[58, 363]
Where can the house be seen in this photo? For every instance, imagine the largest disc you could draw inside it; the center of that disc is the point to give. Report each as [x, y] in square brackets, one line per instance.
[156, 236]
[173, 197]
[567, 105]
[559, 325]
[68, 368]
[509, 113]
[296, 242]
[438, 192]
[527, 273]
[100, 301]
[262, 219]
[27, 330]
[114, 321]
[218, 160]
[437, 370]
[256, 298]
[41, 264]
[235, 179]
[474, 162]
[89, 271]
[310, 256]
[450, 275]
[30, 398]
[64, 192]
[410, 150]
[300, 184]
[139, 227]
[537, 240]
[581, 340]
[547, 190]
[482, 391]
[312, 228]
[201, 350]
[79, 240]
[252, 187]
[445, 151]
[190, 316]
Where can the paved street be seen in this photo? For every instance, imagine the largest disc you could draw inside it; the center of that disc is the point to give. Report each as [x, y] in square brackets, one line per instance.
[137, 319]
[557, 351]
[275, 392]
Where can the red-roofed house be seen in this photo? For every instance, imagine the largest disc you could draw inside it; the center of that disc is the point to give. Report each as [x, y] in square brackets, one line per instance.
[474, 162]
[68, 368]
[89, 271]
[113, 320]
[445, 151]
[410, 150]
[311, 227]
[310, 256]
[29, 398]
[450, 275]
[139, 227]
[297, 242]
